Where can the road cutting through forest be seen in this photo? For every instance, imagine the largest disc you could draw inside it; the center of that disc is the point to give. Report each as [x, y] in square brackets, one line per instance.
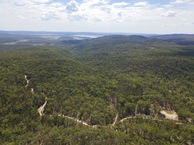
[42, 108]
[27, 81]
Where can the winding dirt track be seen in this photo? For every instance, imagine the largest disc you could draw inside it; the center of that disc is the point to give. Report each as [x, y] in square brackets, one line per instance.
[78, 121]
[27, 81]
[41, 109]
[115, 120]
[41, 113]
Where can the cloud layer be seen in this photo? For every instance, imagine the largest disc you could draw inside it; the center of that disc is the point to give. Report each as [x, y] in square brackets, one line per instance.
[104, 15]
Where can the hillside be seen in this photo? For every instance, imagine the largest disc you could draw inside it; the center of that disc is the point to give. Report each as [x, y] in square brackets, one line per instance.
[119, 43]
[109, 90]
[180, 39]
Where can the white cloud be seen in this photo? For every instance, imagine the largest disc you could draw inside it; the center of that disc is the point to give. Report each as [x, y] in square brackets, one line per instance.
[169, 14]
[121, 4]
[49, 16]
[40, 1]
[72, 6]
[183, 2]
[57, 5]
[96, 2]
[20, 17]
[96, 15]
[29, 2]
[141, 4]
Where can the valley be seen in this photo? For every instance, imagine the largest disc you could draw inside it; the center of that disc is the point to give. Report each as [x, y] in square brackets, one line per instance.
[96, 88]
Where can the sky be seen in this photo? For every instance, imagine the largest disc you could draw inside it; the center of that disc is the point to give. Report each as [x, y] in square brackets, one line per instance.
[127, 16]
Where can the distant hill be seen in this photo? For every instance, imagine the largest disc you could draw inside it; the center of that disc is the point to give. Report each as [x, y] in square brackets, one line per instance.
[45, 38]
[180, 39]
[119, 42]
[118, 39]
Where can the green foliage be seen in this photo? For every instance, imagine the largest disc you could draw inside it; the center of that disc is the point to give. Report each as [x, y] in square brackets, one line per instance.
[94, 84]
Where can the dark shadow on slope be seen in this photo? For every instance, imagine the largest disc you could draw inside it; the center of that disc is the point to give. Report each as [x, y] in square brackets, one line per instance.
[189, 52]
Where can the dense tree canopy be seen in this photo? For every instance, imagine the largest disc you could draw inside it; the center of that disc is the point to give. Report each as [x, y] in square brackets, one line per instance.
[97, 93]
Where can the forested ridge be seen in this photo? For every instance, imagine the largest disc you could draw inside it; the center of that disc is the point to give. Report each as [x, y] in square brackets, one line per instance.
[108, 90]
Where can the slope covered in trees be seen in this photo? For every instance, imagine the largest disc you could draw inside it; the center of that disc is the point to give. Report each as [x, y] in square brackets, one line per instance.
[181, 39]
[119, 43]
[108, 90]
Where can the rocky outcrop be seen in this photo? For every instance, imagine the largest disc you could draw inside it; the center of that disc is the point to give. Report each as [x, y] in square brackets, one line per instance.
[171, 115]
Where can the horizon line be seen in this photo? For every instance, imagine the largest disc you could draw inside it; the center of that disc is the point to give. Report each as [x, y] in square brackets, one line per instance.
[45, 31]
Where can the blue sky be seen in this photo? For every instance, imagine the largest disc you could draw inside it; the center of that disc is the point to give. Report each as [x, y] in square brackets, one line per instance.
[130, 16]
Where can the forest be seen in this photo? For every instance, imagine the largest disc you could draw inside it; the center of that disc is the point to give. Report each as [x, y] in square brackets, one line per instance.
[110, 90]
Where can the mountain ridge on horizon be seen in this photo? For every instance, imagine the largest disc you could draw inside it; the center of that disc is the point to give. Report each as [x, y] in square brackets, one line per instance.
[89, 32]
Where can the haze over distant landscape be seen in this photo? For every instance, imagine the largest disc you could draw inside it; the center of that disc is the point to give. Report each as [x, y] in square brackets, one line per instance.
[130, 16]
